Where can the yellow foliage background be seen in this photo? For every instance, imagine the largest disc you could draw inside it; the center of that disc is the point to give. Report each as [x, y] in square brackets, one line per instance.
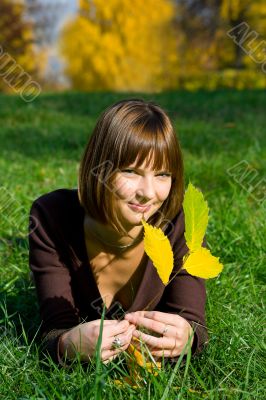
[142, 46]
[121, 45]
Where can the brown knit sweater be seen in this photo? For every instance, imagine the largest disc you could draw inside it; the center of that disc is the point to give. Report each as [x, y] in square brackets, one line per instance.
[66, 288]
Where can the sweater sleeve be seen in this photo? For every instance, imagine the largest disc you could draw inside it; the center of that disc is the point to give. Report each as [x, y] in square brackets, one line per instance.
[185, 295]
[52, 279]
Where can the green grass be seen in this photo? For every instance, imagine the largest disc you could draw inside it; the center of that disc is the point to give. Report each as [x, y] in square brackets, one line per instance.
[41, 145]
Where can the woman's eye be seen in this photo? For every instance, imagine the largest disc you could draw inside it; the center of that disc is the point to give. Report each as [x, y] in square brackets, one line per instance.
[130, 171]
[165, 174]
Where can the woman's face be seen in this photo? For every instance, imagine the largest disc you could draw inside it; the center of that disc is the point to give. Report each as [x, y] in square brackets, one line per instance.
[139, 186]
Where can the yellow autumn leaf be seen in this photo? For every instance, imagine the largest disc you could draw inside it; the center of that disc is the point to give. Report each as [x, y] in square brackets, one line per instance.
[136, 360]
[140, 359]
[202, 264]
[196, 217]
[137, 355]
[159, 250]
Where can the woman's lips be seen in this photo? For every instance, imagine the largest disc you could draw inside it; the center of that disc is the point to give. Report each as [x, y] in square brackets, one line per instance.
[139, 208]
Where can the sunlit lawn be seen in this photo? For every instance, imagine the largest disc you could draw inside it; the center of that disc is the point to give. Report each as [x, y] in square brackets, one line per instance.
[41, 145]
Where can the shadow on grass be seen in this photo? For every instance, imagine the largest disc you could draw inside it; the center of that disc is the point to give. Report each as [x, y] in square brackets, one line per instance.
[18, 300]
[20, 308]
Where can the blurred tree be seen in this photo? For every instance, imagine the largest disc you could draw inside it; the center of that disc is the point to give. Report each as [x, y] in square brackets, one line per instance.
[18, 61]
[207, 47]
[121, 45]
[252, 13]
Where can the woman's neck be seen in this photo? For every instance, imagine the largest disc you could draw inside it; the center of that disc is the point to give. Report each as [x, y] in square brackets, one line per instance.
[109, 238]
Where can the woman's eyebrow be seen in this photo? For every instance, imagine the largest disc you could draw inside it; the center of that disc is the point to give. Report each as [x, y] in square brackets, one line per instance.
[140, 169]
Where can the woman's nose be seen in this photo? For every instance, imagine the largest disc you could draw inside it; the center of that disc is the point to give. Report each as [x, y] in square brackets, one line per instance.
[146, 190]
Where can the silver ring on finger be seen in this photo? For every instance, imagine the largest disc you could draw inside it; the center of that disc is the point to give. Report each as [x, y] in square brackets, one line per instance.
[116, 343]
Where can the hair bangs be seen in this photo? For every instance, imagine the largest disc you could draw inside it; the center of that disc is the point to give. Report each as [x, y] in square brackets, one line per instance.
[146, 147]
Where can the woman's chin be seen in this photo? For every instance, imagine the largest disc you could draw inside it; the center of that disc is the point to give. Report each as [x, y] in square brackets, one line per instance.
[130, 221]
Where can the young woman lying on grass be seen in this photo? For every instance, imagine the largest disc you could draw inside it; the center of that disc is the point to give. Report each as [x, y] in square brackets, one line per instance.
[87, 246]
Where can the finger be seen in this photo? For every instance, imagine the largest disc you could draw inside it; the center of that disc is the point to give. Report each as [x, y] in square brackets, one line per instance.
[106, 322]
[165, 318]
[130, 331]
[131, 328]
[155, 352]
[124, 338]
[161, 343]
[110, 322]
[164, 353]
[148, 323]
[106, 354]
[118, 328]
[110, 359]
[138, 344]
[176, 350]
[137, 313]
[172, 320]
[132, 325]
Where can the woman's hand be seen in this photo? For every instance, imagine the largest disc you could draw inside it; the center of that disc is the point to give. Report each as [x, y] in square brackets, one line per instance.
[174, 330]
[83, 339]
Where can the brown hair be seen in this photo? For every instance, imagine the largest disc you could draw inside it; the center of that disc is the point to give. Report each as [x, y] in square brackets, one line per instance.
[128, 131]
